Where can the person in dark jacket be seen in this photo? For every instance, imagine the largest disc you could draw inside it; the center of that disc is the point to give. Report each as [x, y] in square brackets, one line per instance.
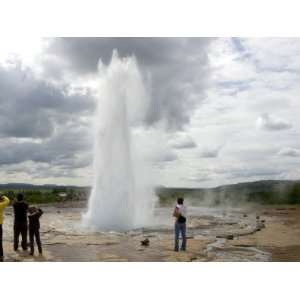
[20, 222]
[34, 228]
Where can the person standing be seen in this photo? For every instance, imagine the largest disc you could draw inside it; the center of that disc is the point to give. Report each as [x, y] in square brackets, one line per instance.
[180, 224]
[4, 202]
[20, 222]
[34, 228]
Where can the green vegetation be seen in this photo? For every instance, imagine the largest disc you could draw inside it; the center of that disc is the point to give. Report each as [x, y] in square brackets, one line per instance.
[262, 192]
[45, 194]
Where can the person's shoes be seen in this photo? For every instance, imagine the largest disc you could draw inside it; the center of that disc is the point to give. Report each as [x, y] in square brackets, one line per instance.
[176, 250]
[1, 259]
[31, 253]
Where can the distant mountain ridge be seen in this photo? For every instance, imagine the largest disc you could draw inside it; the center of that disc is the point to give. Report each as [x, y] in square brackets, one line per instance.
[263, 191]
[28, 186]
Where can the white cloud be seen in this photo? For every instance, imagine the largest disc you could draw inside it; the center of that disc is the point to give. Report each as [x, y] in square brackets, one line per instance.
[167, 157]
[205, 105]
[275, 54]
[183, 142]
[292, 152]
[269, 122]
[210, 153]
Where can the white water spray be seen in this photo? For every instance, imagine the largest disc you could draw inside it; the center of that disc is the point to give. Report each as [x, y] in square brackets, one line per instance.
[121, 197]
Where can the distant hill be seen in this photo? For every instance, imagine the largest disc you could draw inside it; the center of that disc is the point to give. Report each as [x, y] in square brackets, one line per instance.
[46, 193]
[264, 191]
[27, 186]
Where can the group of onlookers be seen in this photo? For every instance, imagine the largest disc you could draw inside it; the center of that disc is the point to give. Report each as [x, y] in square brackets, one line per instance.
[22, 212]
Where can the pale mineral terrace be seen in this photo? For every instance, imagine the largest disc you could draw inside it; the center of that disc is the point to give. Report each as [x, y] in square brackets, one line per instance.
[214, 234]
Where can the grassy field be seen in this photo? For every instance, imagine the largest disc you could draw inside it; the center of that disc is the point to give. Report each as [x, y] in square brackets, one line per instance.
[48, 195]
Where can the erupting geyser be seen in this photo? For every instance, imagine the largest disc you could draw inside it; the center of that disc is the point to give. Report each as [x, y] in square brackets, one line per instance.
[121, 198]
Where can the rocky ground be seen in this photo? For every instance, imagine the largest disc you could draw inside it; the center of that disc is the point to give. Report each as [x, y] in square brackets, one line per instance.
[214, 234]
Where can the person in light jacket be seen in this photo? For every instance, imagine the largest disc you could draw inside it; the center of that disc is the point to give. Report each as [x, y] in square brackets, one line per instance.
[4, 202]
[180, 224]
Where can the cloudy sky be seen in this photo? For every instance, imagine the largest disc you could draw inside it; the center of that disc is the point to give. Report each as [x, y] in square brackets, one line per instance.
[222, 110]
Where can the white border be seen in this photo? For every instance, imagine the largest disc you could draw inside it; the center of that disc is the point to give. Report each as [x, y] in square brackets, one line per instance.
[150, 18]
[149, 280]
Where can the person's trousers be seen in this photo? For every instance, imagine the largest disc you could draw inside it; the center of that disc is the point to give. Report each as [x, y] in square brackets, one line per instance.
[180, 229]
[20, 229]
[1, 242]
[34, 234]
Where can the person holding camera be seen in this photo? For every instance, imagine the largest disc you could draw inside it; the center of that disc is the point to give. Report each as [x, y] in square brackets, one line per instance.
[4, 202]
[34, 228]
[20, 222]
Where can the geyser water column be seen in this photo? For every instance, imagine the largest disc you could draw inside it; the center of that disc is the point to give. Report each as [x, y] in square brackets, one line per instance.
[120, 199]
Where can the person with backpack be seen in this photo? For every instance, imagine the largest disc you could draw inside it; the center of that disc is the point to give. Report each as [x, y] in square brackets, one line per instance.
[180, 224]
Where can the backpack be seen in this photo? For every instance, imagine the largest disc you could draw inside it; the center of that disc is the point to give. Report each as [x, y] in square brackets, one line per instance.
[181, 219]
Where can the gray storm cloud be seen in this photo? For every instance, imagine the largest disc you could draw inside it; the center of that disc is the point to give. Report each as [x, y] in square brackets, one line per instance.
[41, 122]
[176, 69]
[62, 149]
[203, 91]
[31, 108]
